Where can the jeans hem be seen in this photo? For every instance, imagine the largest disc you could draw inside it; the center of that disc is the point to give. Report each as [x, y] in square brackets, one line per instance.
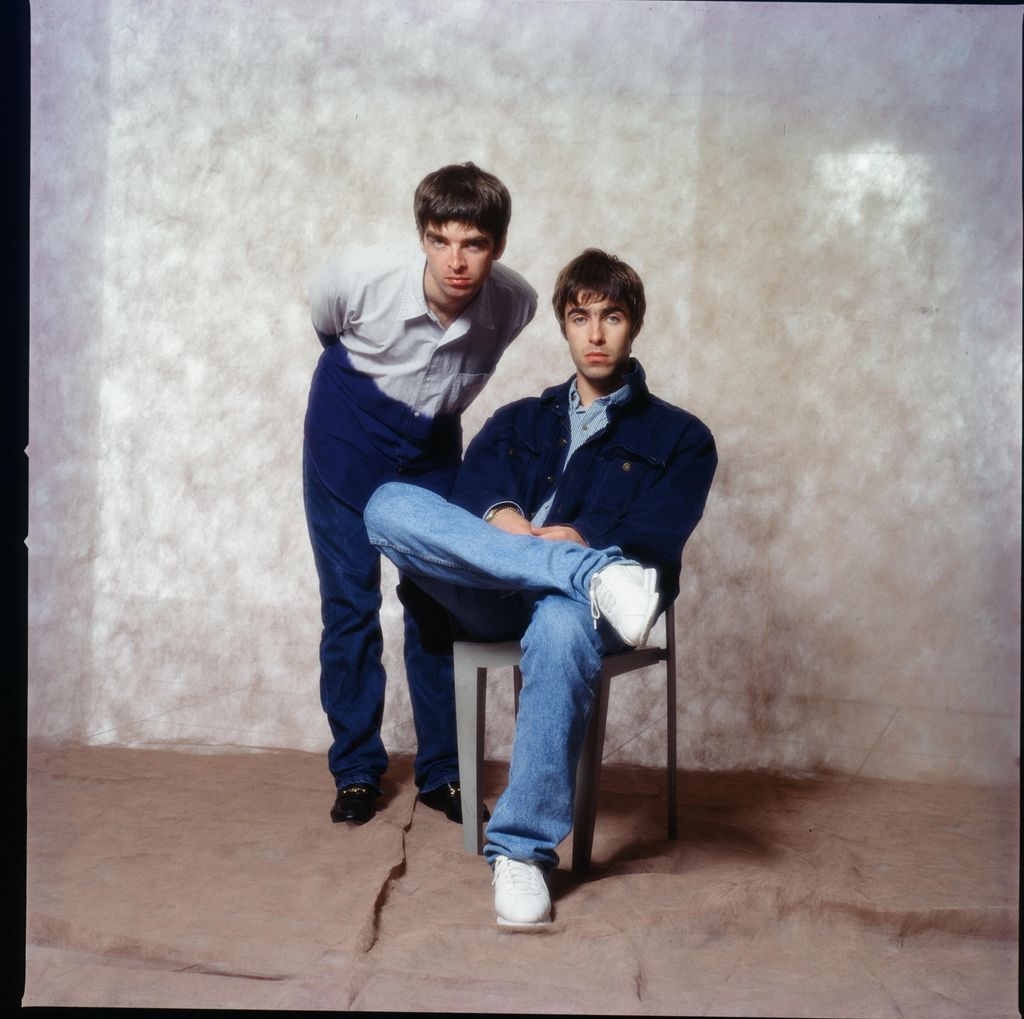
[342, 783]
[437, 785]
[546, 865]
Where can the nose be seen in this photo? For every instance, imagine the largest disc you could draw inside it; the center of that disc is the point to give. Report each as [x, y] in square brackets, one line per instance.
[596, 332]
[457, 258]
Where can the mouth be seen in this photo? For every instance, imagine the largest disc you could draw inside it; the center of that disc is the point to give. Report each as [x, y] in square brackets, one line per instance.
[595, 358]
[459, 281]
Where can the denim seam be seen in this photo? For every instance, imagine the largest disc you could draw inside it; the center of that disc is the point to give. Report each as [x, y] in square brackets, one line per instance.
[469, 571]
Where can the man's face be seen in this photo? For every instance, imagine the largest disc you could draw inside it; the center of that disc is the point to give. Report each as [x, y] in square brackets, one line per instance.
[599, 343]
[459, 260]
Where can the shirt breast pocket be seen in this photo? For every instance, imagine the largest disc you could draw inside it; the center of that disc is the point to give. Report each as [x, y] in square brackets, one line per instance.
[464, 389]
[625, 474]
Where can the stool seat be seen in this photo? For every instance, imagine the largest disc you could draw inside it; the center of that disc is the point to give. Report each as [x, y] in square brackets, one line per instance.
[471, 663]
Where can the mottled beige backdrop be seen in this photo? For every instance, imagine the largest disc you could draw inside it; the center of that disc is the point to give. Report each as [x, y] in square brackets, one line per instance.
[824, 202]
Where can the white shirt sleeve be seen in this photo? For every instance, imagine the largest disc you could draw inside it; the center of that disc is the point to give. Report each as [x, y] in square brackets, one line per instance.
[328, 297]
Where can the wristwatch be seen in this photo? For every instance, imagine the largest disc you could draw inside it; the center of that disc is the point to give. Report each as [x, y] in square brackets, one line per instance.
[498, 506]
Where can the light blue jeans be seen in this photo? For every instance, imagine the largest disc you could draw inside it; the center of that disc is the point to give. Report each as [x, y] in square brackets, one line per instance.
[500, 586]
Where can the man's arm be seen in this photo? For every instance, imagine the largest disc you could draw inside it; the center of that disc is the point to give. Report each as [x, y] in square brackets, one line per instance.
[558, 532]
[492, 473]
[661, 518]
[328, 296]
[510, 520]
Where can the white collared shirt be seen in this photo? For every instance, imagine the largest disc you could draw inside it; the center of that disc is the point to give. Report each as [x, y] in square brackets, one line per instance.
[372, 301]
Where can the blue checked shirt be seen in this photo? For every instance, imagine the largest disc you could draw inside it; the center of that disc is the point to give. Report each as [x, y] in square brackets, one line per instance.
[584, 424]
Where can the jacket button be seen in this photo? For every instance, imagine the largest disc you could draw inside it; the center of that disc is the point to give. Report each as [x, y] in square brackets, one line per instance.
[562, 441]
[627, 466]
[550, 477]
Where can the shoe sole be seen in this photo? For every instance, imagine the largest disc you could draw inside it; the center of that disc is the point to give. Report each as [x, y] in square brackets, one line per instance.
[651, 583]
[502, 922]
[652, 610]
[440, 808]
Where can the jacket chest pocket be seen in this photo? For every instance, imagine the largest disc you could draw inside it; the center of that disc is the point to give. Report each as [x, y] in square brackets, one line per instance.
[517, 455]
[623, 474]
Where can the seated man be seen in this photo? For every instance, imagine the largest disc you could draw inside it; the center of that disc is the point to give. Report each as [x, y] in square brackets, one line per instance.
[566, 528]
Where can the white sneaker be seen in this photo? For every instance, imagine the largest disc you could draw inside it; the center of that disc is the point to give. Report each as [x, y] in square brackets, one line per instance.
[626, 595]
[521, 896]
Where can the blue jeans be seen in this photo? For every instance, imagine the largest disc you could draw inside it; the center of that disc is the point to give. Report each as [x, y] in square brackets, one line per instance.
[500, 586]
[352, 678]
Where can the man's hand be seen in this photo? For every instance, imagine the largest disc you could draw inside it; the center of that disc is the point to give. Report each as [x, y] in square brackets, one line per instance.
[511, 521]
[558, 532]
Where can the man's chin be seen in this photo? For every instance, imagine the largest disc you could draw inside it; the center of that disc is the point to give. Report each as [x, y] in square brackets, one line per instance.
[465, 294]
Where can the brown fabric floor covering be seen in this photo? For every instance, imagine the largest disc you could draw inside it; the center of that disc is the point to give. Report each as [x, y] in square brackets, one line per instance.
[164, 878]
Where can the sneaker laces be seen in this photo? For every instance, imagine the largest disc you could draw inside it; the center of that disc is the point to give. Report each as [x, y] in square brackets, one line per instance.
[523, 877]
[595, 612]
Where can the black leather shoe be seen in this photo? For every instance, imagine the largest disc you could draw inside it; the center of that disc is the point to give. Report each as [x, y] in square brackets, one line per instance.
[354, 803]
[448, 799]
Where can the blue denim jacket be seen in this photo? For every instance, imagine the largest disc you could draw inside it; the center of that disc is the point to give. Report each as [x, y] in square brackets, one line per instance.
[640, 485]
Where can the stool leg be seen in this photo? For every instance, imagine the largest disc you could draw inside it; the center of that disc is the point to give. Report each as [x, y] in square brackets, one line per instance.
[588, 775]
[470, 706]
[673, 826]
[670, 696]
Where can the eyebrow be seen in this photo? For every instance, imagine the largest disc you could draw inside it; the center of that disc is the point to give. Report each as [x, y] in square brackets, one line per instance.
[612, 309]
[477, 238]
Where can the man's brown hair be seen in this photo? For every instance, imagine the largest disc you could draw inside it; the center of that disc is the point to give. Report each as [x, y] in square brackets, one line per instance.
[463, 193]
[595, 275]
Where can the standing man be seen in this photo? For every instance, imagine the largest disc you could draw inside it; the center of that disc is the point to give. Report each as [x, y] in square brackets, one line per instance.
[410, 338]
[565, 529]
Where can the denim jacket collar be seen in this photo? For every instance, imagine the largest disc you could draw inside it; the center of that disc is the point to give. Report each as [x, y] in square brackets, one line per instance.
[557, 397]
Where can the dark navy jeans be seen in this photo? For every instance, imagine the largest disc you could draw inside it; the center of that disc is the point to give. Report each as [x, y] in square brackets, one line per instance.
[352, 678]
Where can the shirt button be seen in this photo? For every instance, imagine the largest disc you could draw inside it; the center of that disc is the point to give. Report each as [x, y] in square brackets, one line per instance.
[416, 414]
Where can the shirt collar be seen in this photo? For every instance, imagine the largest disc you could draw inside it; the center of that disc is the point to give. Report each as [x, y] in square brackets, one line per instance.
[621, 395]
[414, 303]
[636, 386]
[481, 308]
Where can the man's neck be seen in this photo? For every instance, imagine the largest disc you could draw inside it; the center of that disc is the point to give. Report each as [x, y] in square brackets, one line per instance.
[445, 310]
[588, 391]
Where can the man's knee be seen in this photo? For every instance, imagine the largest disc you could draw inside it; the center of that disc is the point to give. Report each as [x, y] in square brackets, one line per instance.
[563, 628]
[384, 509]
